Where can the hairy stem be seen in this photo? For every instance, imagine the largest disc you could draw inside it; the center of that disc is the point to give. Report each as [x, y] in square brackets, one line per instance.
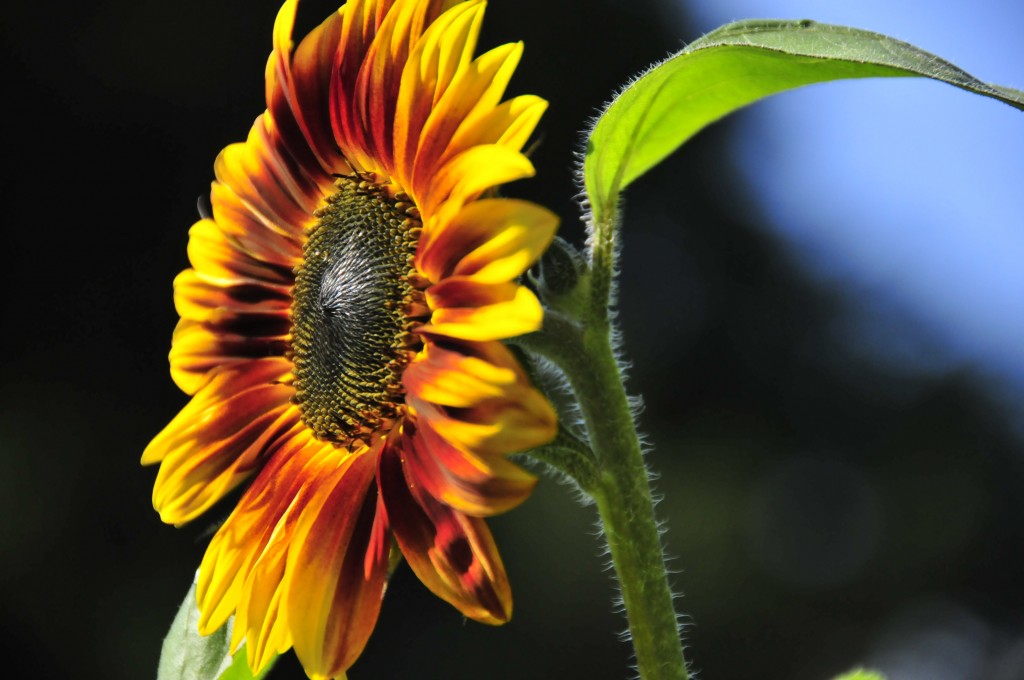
[621, 490]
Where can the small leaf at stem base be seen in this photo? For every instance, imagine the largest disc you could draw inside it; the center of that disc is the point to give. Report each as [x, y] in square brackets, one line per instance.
[187, 655]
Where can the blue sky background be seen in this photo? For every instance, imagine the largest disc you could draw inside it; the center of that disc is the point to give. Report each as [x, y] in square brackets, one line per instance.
[906, 195]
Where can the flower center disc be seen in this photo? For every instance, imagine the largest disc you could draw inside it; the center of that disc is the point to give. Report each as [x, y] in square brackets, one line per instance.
[351, 313]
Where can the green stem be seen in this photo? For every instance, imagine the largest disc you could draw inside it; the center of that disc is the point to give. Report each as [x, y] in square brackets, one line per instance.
[620, 490]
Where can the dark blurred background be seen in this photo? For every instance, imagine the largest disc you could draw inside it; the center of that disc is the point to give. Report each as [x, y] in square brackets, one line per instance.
[823, 309]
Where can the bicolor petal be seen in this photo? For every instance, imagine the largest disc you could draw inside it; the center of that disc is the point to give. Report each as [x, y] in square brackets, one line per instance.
[337, 570]
[220, 437]
[452, 554]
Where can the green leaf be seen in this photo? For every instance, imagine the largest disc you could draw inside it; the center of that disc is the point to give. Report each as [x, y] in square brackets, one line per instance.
[861, 674]
[731, 67]
[187, 655]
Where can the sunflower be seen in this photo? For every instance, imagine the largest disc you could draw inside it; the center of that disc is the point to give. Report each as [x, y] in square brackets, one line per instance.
[341, 333]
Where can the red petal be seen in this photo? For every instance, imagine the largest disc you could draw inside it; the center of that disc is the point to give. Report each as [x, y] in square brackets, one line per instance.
[296, 96]
[452, 554]
[214, 253]
[201, 299]
[337, 570]
[197, 348]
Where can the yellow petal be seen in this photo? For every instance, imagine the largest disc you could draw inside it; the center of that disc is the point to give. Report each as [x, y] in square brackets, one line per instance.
[494, 429]
[478, 86]
[491, 240]
[219, 256]
[477, 485]
[457, 379]
[197, 348]
[447, 43]
[219, 438]
[469, 174]
[498, 321]
[199, 298]
[267, 508]
[508, 124]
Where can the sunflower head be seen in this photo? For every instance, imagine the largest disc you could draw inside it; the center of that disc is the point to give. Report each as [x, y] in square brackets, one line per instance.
[341, 333]
[355, 310]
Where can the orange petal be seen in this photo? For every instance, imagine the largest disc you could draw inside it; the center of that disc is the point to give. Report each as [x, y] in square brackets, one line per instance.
[294, 164]
[262, 614]
[295, 462]
[451, 553]
[220, 437]
[475, 389]
[259, 198]
[260, 621]
[463, 375]
[361, 21]
[377, 84]
[222, 315]
[337, 570]
[312, 70]
[290, 142]
[493, 240]
[252, 233]
[467, 175]
[476, 485]
[297, 95]
[495, 428]
[459, 292]
[509, 253]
